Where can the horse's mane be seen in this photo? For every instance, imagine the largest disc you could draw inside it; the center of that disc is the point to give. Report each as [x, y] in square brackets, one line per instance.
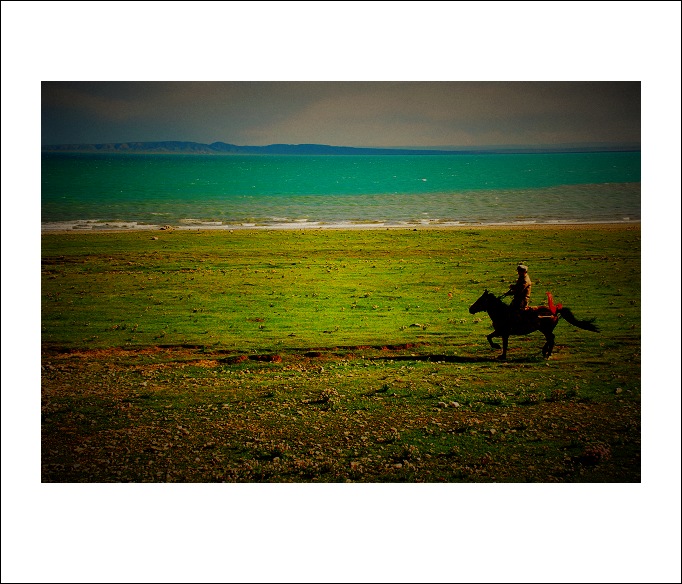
[498, 300]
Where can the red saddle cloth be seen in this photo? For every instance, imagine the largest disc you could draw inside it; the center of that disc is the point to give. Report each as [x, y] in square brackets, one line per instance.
[552, 307]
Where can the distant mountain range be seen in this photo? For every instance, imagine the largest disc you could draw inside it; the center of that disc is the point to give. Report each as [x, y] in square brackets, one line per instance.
[176, 147]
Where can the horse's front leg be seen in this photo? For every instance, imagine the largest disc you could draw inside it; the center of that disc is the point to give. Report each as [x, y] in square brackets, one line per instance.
[505, 342]
[490, 339]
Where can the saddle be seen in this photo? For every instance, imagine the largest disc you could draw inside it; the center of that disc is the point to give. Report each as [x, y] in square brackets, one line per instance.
[543, 312]
[531, 314]
[549, 311]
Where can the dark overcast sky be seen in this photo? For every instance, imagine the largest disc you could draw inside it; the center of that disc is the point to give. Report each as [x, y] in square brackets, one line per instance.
[370, 114]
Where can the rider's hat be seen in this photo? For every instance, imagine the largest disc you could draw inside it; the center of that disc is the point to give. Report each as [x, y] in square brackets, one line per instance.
[522, 267]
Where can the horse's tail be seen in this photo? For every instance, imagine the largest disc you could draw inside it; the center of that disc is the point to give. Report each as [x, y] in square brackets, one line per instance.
[588, 324]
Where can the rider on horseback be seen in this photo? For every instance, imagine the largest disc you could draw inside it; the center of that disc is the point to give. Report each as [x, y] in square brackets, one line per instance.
[521, 291]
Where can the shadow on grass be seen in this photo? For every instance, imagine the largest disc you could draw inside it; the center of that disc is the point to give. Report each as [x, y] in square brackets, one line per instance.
[191, 352]
[455, 359]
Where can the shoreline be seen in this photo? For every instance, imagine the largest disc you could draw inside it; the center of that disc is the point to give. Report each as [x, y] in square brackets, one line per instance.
[131, 227]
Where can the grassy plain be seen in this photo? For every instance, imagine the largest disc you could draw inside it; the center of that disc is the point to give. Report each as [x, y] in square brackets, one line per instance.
[334, 356]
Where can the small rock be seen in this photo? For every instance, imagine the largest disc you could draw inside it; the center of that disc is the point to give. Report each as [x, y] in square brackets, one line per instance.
[619, 390]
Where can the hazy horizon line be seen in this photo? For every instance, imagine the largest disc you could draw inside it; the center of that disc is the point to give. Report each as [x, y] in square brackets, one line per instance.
[445, 148]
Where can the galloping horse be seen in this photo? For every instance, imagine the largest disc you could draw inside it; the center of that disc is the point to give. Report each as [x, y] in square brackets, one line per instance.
[540, 318]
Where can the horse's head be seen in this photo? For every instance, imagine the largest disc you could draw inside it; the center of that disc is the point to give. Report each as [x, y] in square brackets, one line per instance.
[481, 304]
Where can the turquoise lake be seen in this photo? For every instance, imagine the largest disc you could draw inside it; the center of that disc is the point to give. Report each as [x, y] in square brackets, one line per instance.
[99, 191]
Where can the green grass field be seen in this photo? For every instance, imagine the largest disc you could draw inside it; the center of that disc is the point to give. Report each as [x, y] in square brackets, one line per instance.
[336, 355]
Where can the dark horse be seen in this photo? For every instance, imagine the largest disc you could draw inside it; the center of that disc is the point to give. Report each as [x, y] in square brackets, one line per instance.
[539, 318]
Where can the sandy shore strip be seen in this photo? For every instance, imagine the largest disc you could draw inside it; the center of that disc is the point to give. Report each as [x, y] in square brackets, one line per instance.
[96, 227]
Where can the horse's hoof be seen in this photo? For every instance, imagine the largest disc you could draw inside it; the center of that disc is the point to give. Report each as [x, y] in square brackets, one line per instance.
[502, 358]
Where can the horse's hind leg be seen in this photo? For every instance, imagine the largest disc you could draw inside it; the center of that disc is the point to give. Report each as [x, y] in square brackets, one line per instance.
[548, 347]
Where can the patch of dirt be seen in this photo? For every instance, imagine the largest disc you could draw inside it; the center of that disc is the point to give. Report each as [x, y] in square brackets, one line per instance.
[107, 417]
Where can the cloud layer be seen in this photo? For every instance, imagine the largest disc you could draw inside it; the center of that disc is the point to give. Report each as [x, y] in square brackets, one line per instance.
[369, 114]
